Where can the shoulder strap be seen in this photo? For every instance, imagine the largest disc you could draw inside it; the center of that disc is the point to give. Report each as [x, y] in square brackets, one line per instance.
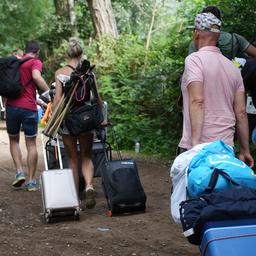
[70, 67]
[94, 88]
[26, 59]
[232, 45]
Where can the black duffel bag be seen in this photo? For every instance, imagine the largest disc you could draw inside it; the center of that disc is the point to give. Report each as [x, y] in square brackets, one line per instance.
[234, 203]
[84, 118]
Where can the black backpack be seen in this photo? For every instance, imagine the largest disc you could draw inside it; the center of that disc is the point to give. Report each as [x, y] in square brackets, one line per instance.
[10, 84]
[84, 76]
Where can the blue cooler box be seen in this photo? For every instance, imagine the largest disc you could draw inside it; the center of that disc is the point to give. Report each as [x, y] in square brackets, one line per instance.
[232, 237]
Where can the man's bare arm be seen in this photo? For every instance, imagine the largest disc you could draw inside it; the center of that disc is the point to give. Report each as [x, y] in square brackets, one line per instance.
[251, 50]
[37, 77]
[196, 110]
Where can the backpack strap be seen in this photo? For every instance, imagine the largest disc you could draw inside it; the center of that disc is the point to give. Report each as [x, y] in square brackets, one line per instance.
[232, 46]
[83, 81]
[94, 88]
[70, 67]
[25, 59]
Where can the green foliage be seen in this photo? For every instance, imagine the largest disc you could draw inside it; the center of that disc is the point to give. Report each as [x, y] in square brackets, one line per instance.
[238, 16]
[142, 100]
[20, 21]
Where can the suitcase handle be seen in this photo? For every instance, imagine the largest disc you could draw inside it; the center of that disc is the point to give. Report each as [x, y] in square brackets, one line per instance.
[44, 152]
[102, 136]
[58, 151]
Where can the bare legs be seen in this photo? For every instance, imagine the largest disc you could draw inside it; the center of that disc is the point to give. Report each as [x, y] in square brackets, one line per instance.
[16, 152]
[85, 143]
[70, 143]
[32, 154]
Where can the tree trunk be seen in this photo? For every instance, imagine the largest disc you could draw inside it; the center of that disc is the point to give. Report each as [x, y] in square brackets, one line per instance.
[65, 9]
[152, 22]
[104, 22]
[72, 17]
[61, 7]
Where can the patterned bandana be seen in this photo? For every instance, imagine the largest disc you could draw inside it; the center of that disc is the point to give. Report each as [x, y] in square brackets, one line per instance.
[205, 21]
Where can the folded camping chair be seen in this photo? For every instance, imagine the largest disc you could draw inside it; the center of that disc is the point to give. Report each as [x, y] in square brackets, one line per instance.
[54, 123]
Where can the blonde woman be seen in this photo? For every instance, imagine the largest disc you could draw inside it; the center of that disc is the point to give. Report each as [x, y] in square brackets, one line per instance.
[74, 54]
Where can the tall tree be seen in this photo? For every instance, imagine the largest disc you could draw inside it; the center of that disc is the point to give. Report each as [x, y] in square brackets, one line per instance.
[104, 22]
[66, 10]
[72, 16]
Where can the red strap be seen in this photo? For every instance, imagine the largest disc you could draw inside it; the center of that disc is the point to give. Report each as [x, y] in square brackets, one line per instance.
[83, 88]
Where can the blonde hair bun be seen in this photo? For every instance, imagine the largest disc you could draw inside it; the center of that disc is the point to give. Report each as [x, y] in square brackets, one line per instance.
[74, 48]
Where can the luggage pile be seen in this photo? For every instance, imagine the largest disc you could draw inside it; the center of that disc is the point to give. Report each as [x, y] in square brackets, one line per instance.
[218, 212]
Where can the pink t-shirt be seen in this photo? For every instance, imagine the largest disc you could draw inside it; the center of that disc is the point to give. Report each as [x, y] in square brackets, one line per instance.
[27, 99]
[221, 81]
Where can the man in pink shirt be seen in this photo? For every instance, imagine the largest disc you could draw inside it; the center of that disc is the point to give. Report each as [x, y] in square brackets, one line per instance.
[213, 93]
[22, 111]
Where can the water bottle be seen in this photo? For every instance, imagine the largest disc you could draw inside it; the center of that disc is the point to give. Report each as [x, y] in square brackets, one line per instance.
[137, 147]
[105, 110]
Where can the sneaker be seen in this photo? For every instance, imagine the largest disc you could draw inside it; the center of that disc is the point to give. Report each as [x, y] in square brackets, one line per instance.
[90, 201]
[32, 186]
[20, 178]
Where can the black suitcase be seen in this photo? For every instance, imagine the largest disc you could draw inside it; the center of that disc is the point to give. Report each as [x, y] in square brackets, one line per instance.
[122, 187]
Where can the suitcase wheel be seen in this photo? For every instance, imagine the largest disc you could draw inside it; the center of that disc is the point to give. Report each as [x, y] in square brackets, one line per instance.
[47, 218]
[109, 214]
[76, 215]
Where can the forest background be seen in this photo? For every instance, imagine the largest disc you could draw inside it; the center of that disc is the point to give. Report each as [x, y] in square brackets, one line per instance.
[138, 46]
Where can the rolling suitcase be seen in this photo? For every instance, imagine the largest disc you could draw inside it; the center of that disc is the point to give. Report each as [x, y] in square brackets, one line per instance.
[122, 187]
[59, 195]
[230, 237]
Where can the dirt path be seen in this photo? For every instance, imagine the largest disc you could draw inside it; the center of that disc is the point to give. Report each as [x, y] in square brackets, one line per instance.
[151, 233]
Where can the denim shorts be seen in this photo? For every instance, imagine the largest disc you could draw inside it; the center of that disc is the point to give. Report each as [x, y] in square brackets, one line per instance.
[21, 117]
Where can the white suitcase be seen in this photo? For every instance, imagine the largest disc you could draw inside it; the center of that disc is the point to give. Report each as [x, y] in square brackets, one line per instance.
[59, 194]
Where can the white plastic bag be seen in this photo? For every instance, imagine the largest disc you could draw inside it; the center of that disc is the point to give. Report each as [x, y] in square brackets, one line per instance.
[178, 173]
